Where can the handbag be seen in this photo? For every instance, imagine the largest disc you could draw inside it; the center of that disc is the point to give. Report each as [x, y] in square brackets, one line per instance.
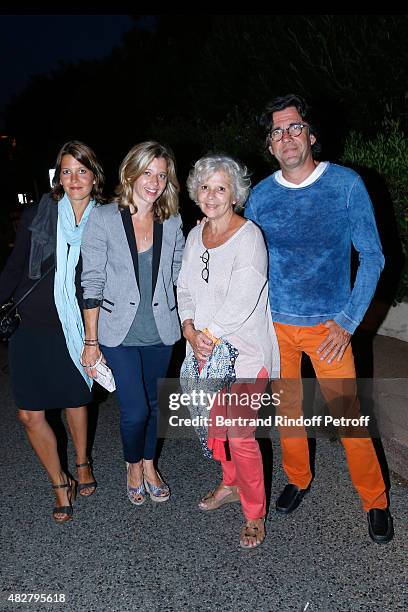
[217, 373]
[104, 375]
[9, 317]
[9, 320]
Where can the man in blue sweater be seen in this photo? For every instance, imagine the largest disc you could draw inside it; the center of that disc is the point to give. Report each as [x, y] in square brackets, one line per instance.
[311, 214]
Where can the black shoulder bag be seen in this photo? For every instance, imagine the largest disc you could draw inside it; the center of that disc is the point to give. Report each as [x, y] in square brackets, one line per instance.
[9, 317]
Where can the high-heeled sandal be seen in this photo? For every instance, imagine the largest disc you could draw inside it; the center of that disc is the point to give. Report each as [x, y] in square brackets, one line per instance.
[158, 493]
[86, 485]
[70, 485]
[136, 495]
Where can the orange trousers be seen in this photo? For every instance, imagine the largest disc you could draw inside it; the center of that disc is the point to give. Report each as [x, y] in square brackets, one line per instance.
[337, 382]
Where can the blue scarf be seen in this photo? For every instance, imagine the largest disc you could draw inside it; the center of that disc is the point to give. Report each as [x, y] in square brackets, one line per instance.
[69, 237]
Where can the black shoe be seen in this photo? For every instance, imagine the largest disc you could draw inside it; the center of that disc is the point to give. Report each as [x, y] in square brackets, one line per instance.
[380, 525]
[290, 498]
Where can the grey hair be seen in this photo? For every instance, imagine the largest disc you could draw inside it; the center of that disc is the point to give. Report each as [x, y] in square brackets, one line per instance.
[209, 164]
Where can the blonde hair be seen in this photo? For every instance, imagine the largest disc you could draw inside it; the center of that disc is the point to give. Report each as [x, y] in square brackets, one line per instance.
[133, 166]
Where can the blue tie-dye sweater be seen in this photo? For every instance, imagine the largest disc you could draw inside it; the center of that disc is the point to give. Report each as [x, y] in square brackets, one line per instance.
[309, 232]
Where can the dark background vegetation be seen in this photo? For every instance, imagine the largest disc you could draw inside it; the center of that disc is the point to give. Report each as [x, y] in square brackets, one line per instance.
[199, 84]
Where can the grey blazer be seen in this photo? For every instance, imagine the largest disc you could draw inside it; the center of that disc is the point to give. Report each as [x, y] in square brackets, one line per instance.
[110, 273]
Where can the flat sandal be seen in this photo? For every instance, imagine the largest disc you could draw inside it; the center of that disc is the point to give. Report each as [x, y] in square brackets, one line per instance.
[252, 531]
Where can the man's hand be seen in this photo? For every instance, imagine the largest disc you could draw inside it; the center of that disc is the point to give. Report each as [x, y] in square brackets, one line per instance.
[335, 343]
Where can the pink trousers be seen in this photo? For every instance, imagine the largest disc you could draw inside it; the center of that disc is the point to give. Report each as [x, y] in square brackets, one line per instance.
[238, 451]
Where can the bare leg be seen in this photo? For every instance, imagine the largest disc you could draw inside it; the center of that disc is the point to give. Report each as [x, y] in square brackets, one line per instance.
[150, 472]
[44, 443]
[135, 474]
[77, 419]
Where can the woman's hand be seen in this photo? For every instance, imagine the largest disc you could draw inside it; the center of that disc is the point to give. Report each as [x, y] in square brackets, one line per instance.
[202, 345]
[90, 355]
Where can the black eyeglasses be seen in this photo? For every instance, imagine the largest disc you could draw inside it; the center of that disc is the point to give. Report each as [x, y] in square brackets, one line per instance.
[295, 129]
[205, 272]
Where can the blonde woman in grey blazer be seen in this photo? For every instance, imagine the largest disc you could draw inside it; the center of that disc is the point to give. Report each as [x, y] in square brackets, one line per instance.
[132, 251]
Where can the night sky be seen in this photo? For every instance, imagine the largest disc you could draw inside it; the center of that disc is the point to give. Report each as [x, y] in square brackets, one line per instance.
[33, 44]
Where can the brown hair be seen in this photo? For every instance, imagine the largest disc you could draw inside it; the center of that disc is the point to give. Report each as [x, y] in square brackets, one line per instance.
[84, 154]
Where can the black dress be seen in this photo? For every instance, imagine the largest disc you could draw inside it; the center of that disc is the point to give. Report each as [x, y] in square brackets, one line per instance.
[43, 375]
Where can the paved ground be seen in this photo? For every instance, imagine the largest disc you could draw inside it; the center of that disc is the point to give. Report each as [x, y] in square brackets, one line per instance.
[171, 557]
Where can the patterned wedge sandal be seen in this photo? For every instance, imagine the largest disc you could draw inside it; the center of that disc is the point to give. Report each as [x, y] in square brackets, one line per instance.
[158, 493]
[136, 495]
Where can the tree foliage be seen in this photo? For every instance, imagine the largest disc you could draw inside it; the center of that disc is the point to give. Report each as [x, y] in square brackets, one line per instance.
[386, 155]
[189, 67]
[199, 82]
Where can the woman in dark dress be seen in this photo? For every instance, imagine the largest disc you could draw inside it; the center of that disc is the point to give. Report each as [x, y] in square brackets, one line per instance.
[51, 328]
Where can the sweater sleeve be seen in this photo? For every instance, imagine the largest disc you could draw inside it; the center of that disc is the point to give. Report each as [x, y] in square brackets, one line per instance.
[249, 210]
[248, 280]
[15, 265]
[94, 258]
[367, 243]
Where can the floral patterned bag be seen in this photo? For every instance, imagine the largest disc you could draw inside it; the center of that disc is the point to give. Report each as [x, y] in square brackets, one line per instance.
[217, 373]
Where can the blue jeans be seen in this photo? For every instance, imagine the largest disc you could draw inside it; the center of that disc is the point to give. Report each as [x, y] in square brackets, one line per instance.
[136, 370]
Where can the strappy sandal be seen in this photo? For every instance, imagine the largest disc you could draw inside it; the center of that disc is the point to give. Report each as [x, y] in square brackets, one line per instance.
[70, 485]
[158, 493]
[210, 502]
[86, 485]
[136, 495]
[252, 529]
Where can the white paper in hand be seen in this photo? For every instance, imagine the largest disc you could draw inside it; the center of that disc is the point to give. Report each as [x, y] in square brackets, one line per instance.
[104, 375]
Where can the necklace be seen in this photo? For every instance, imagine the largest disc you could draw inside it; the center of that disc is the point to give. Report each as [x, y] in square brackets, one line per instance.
[143, 229]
